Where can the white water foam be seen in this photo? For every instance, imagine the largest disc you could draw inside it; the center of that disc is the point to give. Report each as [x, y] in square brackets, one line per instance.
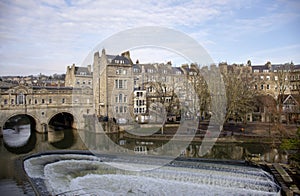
[84, 174]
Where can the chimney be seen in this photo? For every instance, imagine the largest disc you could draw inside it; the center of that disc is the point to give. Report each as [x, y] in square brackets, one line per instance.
[127, 55]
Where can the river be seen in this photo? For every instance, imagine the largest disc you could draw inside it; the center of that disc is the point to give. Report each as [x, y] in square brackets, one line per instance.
[19, 143]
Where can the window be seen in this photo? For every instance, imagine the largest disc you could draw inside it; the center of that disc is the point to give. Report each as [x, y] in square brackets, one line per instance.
[12, 101]
[262, 86]
[43, 101]
[121, 84]
[268, 77]
[121, 71]
[20, 99]
[139, 94]
[50, 100]
[150, 70]
[255, 87]
[78, 82]
[29, 101]
[63, 100]
[35, 101]
[262, 77]
[120, 98]
[268, 86]
[117, 109]
[5, 101]
[276, 78]
[150, 89]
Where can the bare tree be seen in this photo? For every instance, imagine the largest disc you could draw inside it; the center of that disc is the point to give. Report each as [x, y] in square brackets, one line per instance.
[282, 82]
[240, 95]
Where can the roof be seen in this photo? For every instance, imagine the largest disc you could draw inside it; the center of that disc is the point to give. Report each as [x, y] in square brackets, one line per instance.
[177, 69]
[260, 67]
[149, 67]
[290, 99]
[82, 71]
[117, 59]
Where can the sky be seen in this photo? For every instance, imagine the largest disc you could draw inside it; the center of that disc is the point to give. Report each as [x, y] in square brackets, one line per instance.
[46, 36]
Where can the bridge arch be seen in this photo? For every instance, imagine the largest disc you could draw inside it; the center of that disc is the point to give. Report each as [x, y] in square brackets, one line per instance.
[19, 132]
[34, 121]
[63, 119]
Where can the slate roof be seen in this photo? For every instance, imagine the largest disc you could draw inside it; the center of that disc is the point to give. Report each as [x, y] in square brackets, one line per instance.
[117, 58]
[80, 70]
[177, 69]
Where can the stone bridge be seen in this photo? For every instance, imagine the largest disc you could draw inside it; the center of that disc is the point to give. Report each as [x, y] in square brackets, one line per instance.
[41, 104]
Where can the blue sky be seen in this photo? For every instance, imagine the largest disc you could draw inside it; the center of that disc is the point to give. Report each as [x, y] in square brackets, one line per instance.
[45, 36]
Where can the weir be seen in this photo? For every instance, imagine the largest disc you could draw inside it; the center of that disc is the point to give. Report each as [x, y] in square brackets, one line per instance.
[77, 174]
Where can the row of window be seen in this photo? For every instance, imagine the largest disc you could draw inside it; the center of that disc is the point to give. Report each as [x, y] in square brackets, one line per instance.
[292, 87]
[121, 98]
[140, 102]
[119, 61]
[139, 110]
[139, 94]
[21, 101]
[84, 82]
[121, 72]
[121, 109]
[262, 87]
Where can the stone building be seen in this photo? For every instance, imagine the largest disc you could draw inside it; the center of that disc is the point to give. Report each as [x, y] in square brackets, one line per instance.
[277, 87]
[77, 76]
[113, 86]
[127, 91]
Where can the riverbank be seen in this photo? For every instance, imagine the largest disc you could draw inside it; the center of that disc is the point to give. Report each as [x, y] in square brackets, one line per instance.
[231, 133]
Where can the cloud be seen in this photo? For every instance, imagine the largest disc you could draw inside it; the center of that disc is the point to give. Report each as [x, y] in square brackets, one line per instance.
[61, 32]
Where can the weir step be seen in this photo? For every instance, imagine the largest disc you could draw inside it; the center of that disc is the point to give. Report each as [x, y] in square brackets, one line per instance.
[281, 178]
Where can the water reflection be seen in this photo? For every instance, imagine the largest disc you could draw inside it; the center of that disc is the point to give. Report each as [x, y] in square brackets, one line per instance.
[61, 138]
[19, 140]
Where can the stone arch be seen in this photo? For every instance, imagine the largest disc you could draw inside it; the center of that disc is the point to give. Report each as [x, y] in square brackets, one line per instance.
[74, 123]
[33, 119]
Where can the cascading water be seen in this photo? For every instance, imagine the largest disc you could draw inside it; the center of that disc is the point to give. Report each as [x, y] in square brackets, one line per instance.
[75, 174]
